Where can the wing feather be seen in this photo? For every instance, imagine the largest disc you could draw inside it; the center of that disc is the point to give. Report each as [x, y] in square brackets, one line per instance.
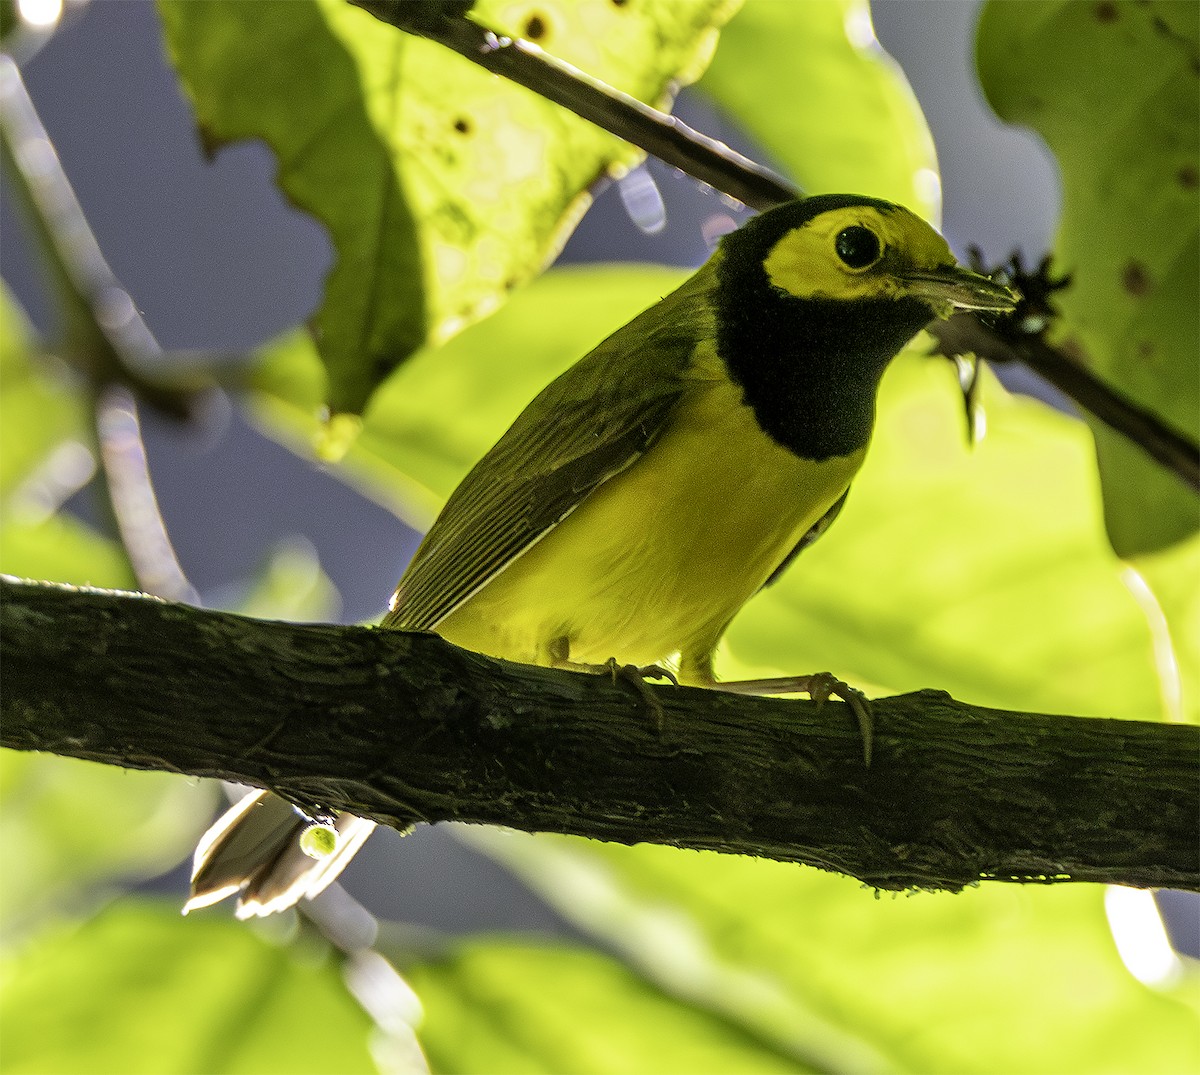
[815, 531]
[585, 427]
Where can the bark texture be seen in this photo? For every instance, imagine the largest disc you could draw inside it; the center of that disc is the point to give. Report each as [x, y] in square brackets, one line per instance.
[402, 727]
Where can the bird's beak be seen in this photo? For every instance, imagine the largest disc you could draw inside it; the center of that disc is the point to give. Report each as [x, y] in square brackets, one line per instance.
[959, 288]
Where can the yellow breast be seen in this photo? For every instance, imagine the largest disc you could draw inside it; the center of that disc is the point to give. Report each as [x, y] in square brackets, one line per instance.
[657, 561]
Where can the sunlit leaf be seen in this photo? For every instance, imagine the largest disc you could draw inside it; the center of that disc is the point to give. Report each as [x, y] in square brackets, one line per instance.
[291, 585]
[1000, 978]
[1167, 587]
[867, 133]
[74, 831]
[500, 1006]
[443, 187]
[60, 548]
[141, 989]
[1112, 88]
[39, 407]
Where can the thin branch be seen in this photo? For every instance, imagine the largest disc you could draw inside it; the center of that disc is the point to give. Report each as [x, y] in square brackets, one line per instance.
[713, 163]
[104, 337]
[399, 726]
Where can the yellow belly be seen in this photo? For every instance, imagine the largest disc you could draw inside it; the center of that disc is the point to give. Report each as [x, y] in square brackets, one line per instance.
[657, 561]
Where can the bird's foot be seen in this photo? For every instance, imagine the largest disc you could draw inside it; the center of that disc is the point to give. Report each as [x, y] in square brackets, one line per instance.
[820, 687]
[636, 677]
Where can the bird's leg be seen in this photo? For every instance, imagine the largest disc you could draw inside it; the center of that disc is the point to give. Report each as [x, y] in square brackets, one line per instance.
[820, 686]
[632, 674]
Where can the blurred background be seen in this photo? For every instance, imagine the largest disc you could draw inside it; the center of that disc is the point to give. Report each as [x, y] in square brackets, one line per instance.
[217, 261]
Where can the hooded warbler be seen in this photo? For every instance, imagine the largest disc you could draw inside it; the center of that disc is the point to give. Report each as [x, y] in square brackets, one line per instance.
[651, 490]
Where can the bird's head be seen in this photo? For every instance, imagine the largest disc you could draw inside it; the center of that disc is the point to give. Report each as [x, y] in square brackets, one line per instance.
[846, 248]
[815, 297]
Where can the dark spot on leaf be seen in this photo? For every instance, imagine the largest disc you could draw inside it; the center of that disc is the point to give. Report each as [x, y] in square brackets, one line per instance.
[1135, 278]
[1074, 349]
[1188, 177]
[462, 125]
[510, 284]
[1106, 11]
[619, 3]
[535, 28]
[1145, 350]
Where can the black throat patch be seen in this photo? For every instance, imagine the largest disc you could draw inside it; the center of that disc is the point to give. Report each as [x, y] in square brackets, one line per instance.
[809, 368]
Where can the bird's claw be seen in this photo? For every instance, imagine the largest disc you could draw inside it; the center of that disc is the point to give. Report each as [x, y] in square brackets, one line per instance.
[636, 677]
[820, 687]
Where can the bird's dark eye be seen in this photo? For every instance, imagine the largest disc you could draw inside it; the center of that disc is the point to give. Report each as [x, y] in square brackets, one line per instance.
[857, 246]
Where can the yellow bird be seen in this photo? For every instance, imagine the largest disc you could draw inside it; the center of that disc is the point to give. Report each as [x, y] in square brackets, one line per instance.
[651, 490]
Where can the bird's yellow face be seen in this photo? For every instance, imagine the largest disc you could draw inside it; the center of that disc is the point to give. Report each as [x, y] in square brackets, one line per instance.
[870, 252]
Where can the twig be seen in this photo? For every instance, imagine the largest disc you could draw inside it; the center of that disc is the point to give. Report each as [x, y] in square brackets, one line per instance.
[104, 337]
[399, 726]
[731, 173]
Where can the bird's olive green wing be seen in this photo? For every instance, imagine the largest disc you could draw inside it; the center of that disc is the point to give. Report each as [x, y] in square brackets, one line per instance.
[588, 425]
[815, 531]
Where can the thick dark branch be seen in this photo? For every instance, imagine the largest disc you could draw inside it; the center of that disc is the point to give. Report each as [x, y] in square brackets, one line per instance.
[398, 726]
[716, 164]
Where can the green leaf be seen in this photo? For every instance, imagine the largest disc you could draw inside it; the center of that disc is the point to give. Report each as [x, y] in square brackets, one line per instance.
[40, 408]
[74, 830]
[60, 548]
[1164, 585]
[291, 585]
[1112, 88]
[499, 1006]
[443, 187]
[141, 989]
[814, 88]
[1001, 978]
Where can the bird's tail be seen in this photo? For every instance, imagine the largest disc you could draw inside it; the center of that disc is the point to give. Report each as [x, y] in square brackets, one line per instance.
[253, 851]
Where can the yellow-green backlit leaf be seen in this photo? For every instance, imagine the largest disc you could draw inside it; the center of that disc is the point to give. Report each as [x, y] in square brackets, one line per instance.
[60, 548]
[814, 88]
[1112, 87]
[495, 1007]
[1000, 978]
[73, 830]
[142, 989]
[290, 585]
[39, 407]
[443, 187]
